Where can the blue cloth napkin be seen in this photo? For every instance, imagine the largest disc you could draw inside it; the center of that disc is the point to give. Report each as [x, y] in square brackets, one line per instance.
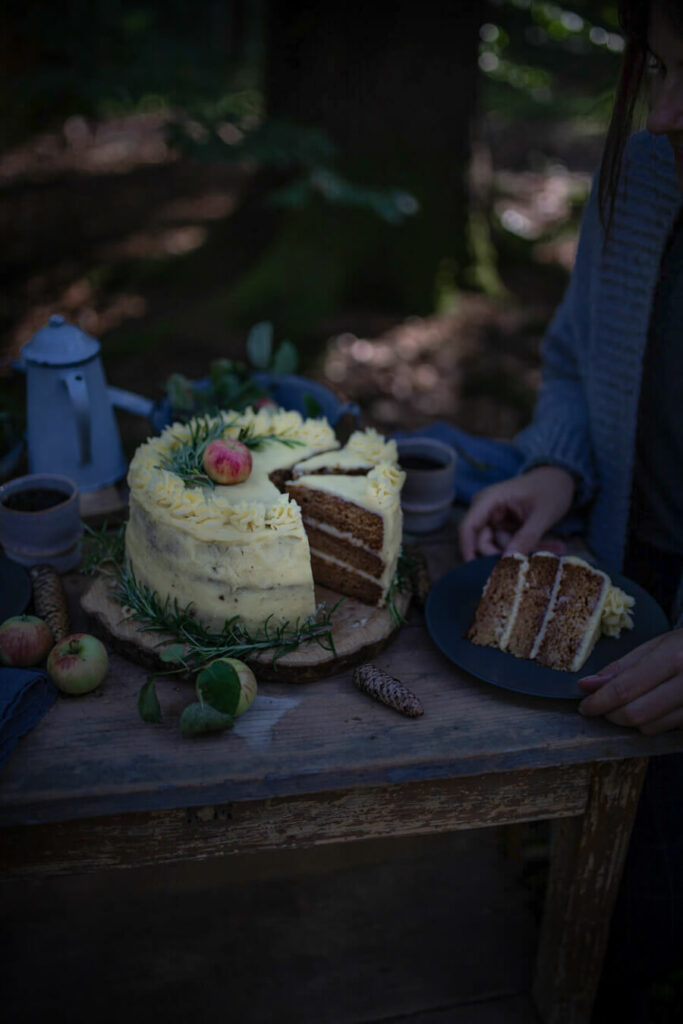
[26, 694]
[483, 461]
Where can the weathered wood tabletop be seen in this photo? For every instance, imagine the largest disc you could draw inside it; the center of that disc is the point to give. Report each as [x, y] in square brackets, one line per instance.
[93, 786]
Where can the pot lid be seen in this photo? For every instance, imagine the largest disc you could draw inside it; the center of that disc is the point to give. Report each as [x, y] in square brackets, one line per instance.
[60, 344]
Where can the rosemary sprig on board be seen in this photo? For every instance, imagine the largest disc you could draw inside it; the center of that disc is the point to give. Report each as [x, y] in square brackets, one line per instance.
[199, 644]
[410, 577]
[186, 460]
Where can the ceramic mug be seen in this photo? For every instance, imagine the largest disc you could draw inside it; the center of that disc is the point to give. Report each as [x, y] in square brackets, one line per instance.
[429, 487]
[40, 521]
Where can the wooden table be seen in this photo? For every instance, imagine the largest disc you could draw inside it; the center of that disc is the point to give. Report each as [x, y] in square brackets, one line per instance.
[93, 787]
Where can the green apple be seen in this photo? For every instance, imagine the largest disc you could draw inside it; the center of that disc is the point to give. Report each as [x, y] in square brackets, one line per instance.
[78, 663]
[24, 640]
[228, 685]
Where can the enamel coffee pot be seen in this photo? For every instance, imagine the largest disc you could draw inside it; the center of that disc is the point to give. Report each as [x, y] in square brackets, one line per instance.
[71, 427]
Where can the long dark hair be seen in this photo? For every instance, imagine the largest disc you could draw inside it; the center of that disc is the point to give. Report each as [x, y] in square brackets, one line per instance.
[634, 19]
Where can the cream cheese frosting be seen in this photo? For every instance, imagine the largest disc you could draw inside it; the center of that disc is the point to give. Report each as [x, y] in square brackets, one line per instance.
[242, 549]
[226, 550]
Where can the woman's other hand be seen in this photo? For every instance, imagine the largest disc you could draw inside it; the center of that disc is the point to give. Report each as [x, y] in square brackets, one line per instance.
[644, 689]
[514, 515]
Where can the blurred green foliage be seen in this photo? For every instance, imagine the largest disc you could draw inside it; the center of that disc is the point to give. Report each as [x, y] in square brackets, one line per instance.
[99, 58]
[541, 59]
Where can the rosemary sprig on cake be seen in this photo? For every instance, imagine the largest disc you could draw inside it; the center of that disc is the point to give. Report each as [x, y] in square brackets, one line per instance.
[186, 460]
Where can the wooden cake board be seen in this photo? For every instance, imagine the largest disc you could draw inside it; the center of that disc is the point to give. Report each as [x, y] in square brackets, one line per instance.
[359, 632]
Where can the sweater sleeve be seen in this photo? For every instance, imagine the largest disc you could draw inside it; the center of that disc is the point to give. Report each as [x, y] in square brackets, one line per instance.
[559, 432]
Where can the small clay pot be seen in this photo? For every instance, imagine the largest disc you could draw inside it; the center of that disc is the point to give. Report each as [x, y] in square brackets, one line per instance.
[40, 521]
[429, 487]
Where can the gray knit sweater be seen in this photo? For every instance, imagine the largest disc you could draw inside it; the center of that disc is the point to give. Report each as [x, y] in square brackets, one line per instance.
[586, 414]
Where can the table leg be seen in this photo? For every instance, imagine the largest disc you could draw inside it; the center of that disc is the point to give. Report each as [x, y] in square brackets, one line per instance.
[587, 860]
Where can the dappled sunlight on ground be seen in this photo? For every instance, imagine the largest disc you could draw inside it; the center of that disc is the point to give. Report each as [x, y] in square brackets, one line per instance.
[96, 215]
[476, 367]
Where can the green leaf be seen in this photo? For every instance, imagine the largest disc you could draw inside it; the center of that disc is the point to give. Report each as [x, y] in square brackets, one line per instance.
[176, 652]
[218, 685]
[312, 406]
[199, 718]
[179, 392]
[260, 344]
[285, 359]
[148, 702]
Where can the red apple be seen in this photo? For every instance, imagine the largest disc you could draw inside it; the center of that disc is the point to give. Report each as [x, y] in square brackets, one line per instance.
[227, 461]
[24, 640]
[209, 687]
[78, 663]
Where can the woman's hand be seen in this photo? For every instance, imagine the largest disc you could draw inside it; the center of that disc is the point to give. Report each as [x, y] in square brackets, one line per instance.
[644, 689]
[514, 515]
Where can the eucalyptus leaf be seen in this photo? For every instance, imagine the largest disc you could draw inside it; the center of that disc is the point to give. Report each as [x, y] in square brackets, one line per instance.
[200, 718]
[180, 393]
[149, 708]
[173, 653]
[285, 359]
[219, 685]
[260, 344]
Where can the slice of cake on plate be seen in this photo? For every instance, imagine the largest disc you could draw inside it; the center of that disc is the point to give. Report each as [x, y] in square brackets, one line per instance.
[549, 609]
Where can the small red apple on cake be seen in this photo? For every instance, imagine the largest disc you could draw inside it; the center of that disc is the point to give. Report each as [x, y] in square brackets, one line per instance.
[227, 461]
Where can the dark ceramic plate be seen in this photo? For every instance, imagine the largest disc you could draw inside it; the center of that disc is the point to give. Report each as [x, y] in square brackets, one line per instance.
[15, 588]
[449, 611]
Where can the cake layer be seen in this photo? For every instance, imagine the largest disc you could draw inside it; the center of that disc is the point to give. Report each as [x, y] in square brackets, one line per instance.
[344, 548]
[344, 515]
[573, 621]
[496, 609]
[535, 599]
[343, 580]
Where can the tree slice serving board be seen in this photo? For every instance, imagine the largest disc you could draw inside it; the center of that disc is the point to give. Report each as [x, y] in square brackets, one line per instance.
[359, 632]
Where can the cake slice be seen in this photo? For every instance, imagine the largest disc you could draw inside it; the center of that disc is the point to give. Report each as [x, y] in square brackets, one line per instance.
[573, 621]
[497, 607]
[548, 609]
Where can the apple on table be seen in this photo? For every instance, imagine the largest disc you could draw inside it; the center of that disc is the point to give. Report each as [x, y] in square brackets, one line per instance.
[78, 663]
[25, 640]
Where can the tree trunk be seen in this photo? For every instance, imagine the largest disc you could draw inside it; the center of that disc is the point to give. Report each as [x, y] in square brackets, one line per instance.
[396, 93]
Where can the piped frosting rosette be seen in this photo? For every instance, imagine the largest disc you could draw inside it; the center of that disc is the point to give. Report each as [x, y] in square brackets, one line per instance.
[263, 507]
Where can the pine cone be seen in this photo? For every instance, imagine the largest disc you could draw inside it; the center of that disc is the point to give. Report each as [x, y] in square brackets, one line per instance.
[378, 684]
[49, 600]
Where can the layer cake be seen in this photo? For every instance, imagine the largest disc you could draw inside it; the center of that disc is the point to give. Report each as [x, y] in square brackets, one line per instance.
[243, 549]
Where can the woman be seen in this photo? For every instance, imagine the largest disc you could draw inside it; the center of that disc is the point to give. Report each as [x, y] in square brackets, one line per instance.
[607, 435]
[607, 438]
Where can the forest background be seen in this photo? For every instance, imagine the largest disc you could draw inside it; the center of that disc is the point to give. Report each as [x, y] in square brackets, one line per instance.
[398, 194]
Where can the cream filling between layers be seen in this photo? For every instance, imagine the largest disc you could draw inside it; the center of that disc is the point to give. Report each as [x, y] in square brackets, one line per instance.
[509, 625]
